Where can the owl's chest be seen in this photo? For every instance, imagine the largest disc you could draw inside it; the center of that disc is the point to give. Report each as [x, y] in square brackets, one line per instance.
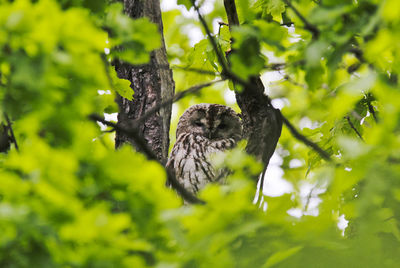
[192, 161]
[195, 156]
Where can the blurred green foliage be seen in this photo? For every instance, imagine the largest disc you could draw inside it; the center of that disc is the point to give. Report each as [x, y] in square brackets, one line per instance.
[68, 199]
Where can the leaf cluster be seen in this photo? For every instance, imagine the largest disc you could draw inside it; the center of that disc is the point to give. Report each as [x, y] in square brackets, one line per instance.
[68, 199]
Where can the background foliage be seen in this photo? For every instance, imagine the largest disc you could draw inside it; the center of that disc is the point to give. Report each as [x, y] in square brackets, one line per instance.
[68, 199]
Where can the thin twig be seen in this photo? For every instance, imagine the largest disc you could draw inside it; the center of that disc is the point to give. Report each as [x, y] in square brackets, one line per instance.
[276, 66]
[194, 70]
[175, 98]
[372, 111]
[288, 24]
[142, 146]
[307, 25]
[353, 127]
[283, 65]
[290, 80]
[262, 179]
[12, 137]
[132, 132]
[220, 56]
[309, 196]
[306, 141]
[226, 72]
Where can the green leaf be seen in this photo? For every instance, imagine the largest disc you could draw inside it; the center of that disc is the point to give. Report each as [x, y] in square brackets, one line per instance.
[187, 3]
[275, 8]
[121, 86]
[281, 256]
[247, 59]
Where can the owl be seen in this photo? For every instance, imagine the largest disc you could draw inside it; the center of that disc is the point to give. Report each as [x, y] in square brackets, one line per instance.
[203, 130]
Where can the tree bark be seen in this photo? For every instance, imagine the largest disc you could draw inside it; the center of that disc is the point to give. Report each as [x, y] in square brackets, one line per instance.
[262, 123]
[151, 84]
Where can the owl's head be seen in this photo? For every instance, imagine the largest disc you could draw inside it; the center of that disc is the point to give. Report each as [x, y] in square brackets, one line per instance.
[213, 121]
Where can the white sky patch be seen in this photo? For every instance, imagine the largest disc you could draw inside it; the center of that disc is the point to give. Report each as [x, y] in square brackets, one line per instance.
[342, 223]
[108, 117]
[174, 113]
[309, 193]
[102, 126]
[363, 119]
[206, 7]
[102, 92]
[295, 212]
[279, 103]
[274, 185]
[269, 77]
[111, 117]
[216, 25]
[294, 38]
[167, 5]
[194, 33]
[306, 122]
[229, 97]
[295, 163]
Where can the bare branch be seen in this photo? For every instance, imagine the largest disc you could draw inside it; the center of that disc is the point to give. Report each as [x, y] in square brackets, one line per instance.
[175, 98]
[143, 147]
[194, 70]
[12, 137]
[306, 141]
[372, 111]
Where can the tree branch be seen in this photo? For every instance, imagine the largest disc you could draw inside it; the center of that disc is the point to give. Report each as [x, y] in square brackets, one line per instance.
[372, 111]
[143, 147]
[12, 137]
[175, 98]
[195, 70]
[231, 12]
[353, 127]
[306, 141]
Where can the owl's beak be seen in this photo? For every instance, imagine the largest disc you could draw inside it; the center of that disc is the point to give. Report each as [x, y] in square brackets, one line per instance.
[210, 134]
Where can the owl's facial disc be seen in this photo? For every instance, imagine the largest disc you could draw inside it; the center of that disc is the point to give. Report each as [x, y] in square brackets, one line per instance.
[212, 121]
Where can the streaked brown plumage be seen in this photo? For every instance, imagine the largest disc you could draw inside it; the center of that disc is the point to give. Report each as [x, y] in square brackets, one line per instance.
[203, 129]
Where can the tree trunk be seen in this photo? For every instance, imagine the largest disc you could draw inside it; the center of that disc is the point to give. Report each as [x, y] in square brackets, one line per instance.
[262, 123]
[151, 85]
